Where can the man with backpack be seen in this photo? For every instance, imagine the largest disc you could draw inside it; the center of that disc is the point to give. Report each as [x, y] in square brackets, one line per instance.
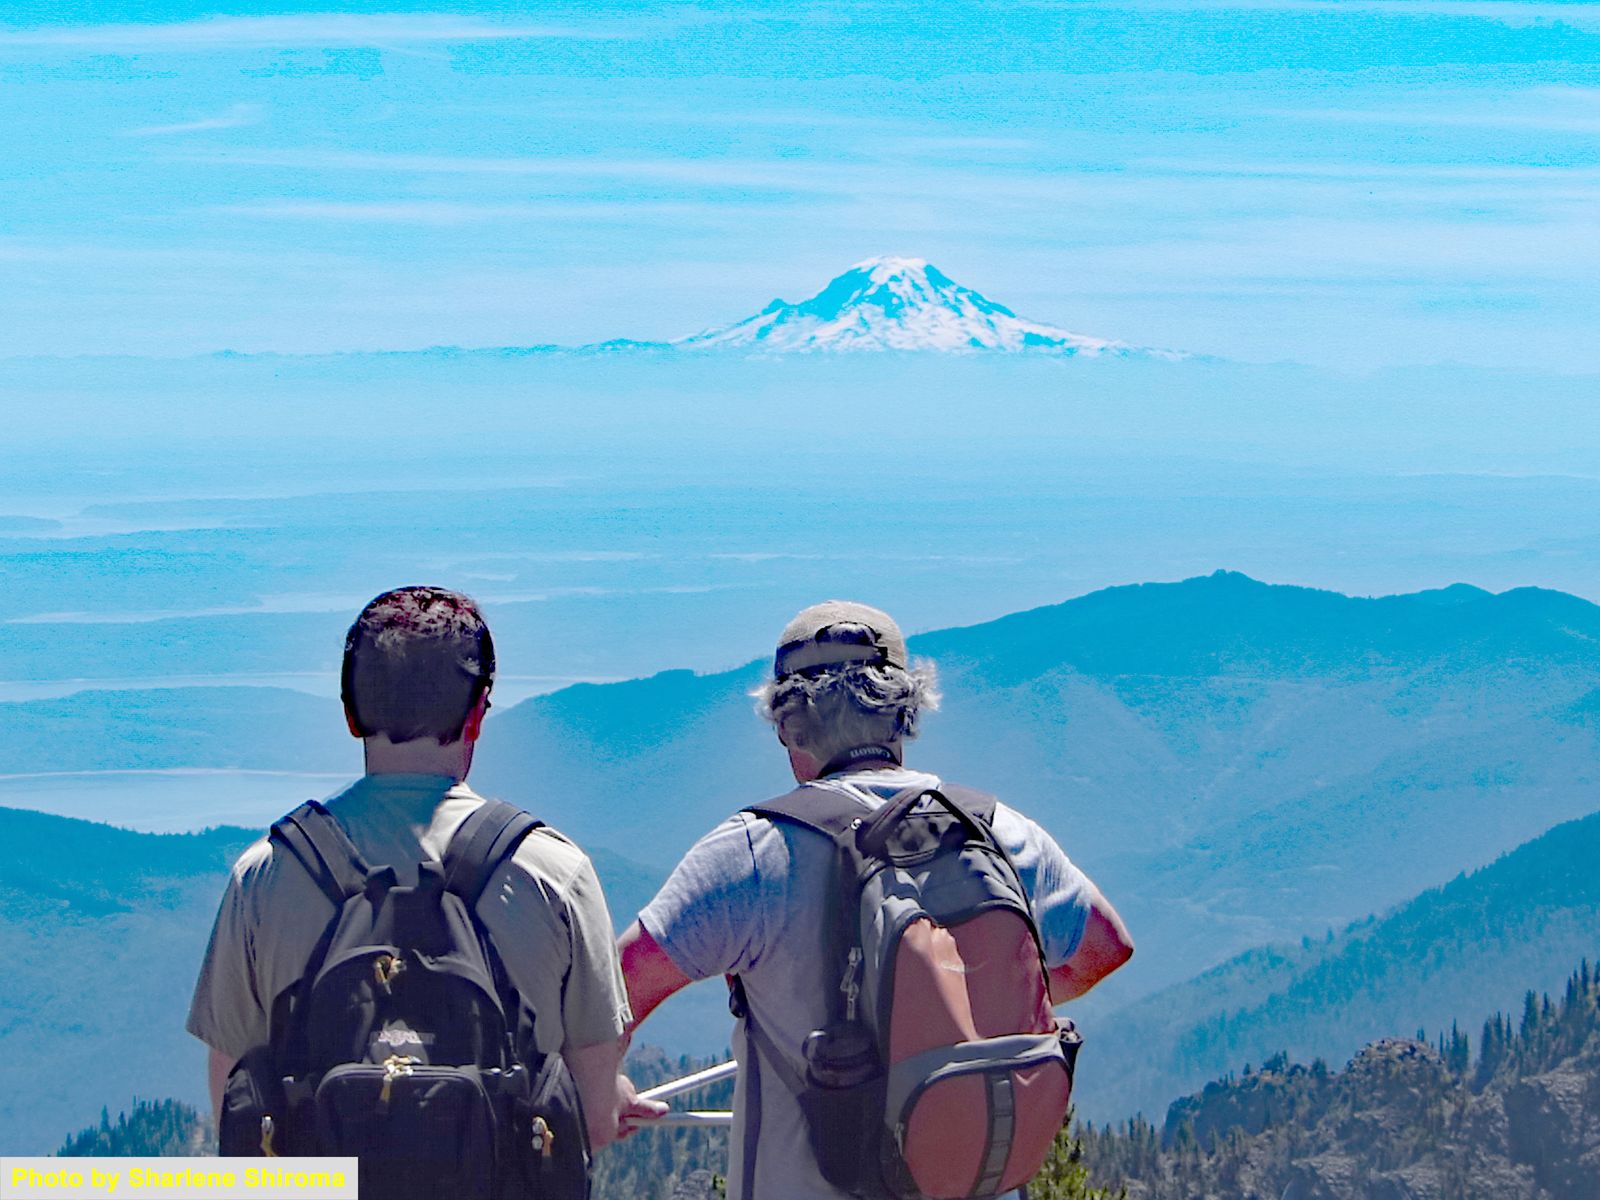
[893, 945]
[407, 972]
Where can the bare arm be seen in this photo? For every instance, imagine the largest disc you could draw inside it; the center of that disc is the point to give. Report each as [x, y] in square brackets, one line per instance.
[1105, 946]
[594, 1069]
[217, 1067]
[650, 975]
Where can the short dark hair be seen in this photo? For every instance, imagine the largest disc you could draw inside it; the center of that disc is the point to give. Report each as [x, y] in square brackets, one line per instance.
[415, 663]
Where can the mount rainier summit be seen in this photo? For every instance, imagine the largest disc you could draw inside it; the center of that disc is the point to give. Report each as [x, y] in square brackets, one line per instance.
[891, 303]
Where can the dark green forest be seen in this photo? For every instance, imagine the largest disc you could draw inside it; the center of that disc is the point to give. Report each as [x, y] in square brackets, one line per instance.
[163, 1128]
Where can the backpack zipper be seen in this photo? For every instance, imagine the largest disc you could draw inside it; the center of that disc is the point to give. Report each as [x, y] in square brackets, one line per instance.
[850, 987]
[384, 968]
[394, 1067]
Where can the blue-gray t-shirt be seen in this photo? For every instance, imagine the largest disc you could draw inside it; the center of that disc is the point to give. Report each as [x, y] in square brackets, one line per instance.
[750, 899]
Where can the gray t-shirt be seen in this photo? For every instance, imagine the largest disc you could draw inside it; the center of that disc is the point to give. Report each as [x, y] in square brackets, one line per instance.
[748, 900]
[545, 914]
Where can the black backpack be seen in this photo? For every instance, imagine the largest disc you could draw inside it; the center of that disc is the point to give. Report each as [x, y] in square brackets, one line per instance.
[403, 1043]
[941, 1070]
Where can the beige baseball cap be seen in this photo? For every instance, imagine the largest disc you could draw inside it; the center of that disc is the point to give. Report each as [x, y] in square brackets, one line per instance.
[836, 632]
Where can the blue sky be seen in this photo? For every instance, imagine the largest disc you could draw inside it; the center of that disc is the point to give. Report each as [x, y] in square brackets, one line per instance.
[1361, 182]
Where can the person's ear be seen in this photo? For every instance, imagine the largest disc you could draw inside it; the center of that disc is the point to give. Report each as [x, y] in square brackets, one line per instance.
[473, 726]
[804, 767]
[350, 720]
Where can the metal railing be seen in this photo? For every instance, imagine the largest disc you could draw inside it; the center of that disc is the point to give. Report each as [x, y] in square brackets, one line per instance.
[693, 1117]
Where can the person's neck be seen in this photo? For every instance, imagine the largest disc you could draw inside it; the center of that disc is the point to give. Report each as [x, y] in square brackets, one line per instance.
[420, 756]
[807, 768]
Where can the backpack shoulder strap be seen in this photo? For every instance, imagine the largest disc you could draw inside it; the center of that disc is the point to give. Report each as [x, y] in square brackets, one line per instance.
[973, 802]
[822, 810]
[322, 847]
[490, 835]
[830, 813]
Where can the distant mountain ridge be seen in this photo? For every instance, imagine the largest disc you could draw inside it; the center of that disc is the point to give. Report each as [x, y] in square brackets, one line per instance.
[101, 932]
[163, 728]
[1234, 762]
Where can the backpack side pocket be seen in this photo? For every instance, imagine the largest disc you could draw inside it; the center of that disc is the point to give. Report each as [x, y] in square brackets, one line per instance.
[843, 1101]
[254, 1119]
[559, 1133]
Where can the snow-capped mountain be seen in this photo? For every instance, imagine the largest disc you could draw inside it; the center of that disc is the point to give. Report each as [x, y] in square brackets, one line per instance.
[890, 303]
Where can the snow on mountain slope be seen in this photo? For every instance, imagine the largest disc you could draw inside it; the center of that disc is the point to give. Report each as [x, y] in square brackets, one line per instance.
[890, 303]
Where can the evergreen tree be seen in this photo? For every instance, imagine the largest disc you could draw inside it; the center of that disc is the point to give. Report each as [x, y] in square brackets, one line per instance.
[1065, 1177]
[154, 1128]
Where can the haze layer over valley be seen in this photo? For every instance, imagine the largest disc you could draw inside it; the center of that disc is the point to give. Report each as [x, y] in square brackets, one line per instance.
[626, 514]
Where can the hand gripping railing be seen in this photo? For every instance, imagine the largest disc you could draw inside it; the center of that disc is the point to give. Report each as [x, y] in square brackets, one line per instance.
[676, 1087]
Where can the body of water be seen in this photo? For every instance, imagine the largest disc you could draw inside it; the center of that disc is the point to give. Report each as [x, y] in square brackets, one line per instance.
[171, 801]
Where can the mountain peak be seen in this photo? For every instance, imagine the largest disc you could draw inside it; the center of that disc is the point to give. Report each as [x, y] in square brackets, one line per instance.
[896, 302]
[884, 265]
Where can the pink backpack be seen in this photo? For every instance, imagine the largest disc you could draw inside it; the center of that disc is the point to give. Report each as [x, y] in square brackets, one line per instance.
[942, 1073]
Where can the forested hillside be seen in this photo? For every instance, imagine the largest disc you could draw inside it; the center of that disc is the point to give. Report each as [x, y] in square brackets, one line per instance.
[154, 1128]
[659, 1164]
[1457, 952]
[101, 932]
[1518, 1120]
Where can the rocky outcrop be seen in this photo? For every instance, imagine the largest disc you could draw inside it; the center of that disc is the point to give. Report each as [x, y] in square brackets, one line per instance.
[1553, 1125]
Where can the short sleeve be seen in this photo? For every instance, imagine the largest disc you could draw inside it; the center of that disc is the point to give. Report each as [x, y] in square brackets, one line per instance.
[708, 916]
[547, 919]
[594, 1001]
[1060, 893]
[227, 1012]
